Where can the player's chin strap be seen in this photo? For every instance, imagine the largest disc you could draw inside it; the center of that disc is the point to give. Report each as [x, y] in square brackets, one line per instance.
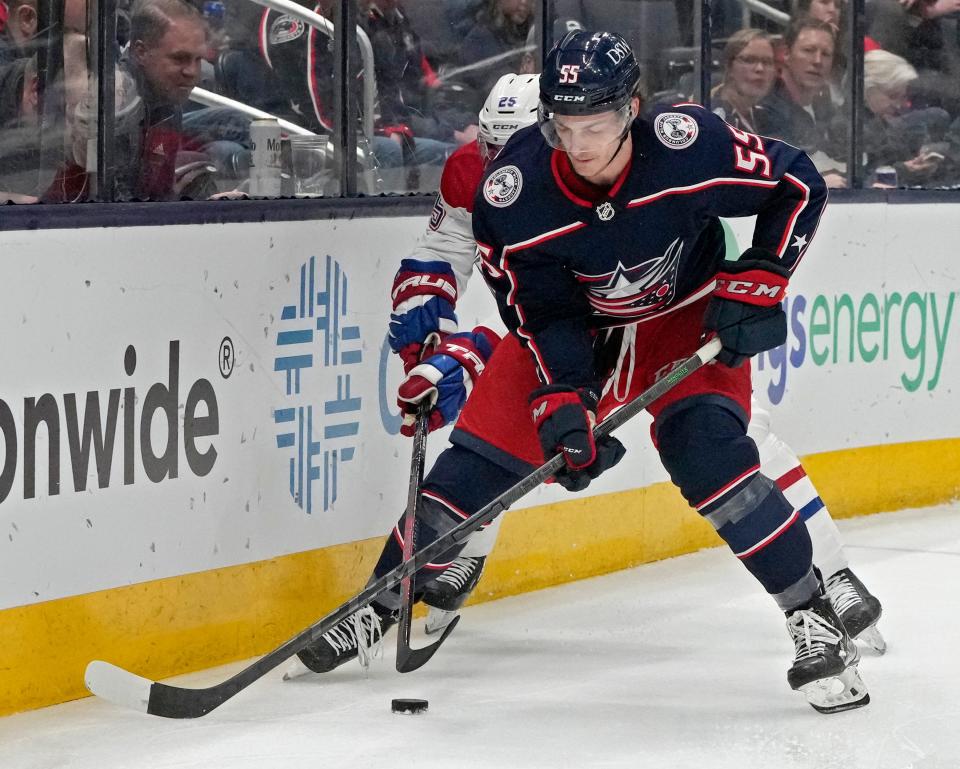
[623, 138]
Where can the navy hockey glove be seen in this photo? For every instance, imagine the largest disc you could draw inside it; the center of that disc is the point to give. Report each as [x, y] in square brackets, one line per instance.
[445, 378]
[564, 417]
[745, 310]
[424, 295]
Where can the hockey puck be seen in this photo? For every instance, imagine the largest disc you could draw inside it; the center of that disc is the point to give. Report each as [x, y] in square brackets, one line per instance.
[408, 706]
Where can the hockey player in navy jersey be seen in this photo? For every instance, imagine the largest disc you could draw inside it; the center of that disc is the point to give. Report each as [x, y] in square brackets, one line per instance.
[445, 256]
[600, 238]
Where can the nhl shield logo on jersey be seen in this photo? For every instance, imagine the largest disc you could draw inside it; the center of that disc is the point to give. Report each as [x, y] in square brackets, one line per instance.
[503, 186]
[676, 130]
[606, 211]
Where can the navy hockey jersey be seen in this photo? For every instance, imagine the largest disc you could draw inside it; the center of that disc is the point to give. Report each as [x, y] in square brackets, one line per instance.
[562, 267]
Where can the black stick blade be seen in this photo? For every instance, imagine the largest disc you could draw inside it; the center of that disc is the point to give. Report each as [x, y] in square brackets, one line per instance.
[409, 659]
[129, 690]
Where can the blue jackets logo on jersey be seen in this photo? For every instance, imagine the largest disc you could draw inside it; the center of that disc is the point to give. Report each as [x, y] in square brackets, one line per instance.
[632, 292]
[503, 186]
[285, 29]
[676, 130]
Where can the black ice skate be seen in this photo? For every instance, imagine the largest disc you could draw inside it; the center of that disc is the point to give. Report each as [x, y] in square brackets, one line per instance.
[359, 636]
[447, 593]
[858, 609]
[825, 665]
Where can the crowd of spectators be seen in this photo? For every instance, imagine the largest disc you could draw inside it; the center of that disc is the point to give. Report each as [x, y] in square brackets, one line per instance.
[433, 63]
[794, 85]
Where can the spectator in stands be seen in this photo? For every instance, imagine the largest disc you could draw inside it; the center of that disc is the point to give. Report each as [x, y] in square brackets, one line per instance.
[19, 31]
[405, 78]
[831, 12]
[168, 41]
[19, 148]
[914, 142]
[301, 59]
[18, 94]
[501, 30]
[915, 31]
[749, 72]
[798, 109]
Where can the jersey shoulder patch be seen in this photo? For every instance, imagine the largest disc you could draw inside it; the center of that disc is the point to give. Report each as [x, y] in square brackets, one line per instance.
[502, 187]
[676, 130]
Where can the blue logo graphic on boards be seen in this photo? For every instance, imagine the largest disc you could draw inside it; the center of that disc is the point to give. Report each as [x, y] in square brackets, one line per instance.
[314, 334]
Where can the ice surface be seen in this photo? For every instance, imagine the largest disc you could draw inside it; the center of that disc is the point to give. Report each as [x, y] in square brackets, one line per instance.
[676, 665]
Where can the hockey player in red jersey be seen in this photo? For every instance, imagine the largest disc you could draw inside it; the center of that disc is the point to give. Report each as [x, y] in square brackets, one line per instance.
[616, 275]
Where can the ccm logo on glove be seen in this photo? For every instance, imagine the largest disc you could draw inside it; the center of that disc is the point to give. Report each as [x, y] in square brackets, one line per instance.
[745, 310]
[758, 287]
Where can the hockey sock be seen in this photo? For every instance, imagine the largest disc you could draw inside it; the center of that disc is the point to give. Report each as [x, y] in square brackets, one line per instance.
[459, 484]
[716, 466]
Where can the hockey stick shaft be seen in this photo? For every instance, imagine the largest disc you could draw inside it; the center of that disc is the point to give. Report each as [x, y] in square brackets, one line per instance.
[410, 518]
[160, 699]
[408, 658]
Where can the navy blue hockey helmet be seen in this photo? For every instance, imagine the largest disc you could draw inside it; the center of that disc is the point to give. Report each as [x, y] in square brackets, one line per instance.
[587, 73]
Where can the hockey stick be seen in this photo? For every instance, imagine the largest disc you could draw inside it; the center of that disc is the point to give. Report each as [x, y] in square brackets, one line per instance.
[409, 659]
[130, 690]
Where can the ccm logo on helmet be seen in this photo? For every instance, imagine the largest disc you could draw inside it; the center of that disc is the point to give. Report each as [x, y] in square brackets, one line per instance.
[618, 52]
[567, 97]
[505, 126]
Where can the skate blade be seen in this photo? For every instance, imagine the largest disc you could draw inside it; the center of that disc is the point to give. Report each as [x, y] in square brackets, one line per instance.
[837, 693]
[295, 669]
[874, 639]
[438, 619]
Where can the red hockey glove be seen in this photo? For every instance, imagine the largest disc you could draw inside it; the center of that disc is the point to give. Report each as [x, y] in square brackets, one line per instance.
[745, 310]
[564, 417]
[445, 379]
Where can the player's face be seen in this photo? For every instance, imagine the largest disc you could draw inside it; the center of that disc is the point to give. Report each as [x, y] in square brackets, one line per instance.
[753, 70]
[810, 58]
[590, 140]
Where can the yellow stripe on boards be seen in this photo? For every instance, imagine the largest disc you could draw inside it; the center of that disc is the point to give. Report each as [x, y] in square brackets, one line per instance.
[174, 625]
[170, 626]
[892, 477]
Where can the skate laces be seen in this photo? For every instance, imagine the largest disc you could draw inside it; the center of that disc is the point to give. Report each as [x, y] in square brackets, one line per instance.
[811, 633]
[362, 631]
[842, 593]
[458, 572]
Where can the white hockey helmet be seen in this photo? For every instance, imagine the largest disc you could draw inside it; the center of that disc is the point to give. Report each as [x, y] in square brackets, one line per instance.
[511, 105]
